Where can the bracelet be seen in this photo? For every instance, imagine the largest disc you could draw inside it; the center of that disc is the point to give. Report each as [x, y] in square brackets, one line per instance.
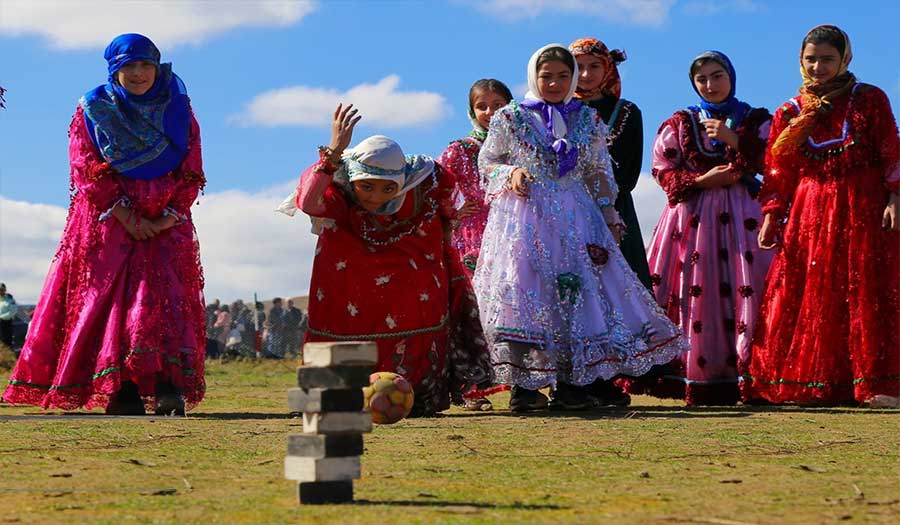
[325, 155]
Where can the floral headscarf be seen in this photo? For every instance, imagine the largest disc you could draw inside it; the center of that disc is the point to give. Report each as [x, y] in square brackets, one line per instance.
[611, 86]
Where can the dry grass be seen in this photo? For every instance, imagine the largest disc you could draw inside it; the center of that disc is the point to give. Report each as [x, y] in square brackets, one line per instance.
[654, 462]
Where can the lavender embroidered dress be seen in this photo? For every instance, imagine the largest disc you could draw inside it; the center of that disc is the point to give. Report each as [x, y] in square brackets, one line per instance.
[557, 299]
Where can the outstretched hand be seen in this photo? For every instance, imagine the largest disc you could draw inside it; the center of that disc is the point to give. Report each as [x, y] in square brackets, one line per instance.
[345, 119]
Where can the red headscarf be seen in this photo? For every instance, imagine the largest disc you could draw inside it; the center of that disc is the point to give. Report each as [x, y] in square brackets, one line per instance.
[611, 85]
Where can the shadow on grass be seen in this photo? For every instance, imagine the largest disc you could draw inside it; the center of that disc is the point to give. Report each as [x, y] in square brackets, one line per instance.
[459, 505]
[676, 412]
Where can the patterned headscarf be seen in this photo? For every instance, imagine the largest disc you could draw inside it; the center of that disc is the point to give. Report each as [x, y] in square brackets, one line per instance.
[816, 98]
[141, 136]
[381, 158]
[611, 86]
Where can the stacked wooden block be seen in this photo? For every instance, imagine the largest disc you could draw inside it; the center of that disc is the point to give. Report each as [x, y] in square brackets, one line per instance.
[324, 459]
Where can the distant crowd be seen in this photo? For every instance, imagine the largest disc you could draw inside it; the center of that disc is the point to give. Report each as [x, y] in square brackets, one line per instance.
[241, 330]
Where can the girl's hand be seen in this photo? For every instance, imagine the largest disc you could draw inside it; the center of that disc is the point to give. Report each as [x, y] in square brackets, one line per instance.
[344, 120]
[134, 225]
[891, 218]
[717, 130]
[164, 223]
[518, 182]
[722, 175]
[467, 210]
[618, 231]
[768, 234]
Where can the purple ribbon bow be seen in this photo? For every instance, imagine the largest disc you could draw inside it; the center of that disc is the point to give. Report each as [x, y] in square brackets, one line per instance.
[566, 154]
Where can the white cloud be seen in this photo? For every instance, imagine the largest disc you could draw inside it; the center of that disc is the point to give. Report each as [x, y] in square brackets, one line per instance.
[649, 202]
[712, 7]
[380, 104]
[639, 12]
[245, 246]
[77, 24]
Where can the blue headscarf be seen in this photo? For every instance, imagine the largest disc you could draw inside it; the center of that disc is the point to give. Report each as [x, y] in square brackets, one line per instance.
[145, 136]
[731, 109]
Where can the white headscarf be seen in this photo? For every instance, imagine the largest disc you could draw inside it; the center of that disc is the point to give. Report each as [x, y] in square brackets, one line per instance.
[376, 158]
[559, 123]
[380, 158]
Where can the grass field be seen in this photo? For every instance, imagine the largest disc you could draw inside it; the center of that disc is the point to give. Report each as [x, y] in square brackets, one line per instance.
[653, 462]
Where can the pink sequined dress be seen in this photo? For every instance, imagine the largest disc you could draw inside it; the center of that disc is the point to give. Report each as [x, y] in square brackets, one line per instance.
[461, 158]
[113, 308]
[705, 264]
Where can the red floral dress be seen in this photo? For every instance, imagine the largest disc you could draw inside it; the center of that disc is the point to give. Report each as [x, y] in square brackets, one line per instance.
[396, 280]
[829, 325]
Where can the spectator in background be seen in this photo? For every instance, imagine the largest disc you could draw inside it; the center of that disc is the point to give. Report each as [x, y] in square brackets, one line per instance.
[222, 326]
[276, 329]
[293, 316]
[7, 314]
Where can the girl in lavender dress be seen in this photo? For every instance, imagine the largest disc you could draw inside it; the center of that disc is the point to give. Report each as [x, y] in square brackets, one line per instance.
[559, 303]
[705, 264]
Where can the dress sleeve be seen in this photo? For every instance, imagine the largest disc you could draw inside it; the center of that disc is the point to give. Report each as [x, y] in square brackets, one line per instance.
[884, 130]
[598, 175]
[631, 152]
[92, 176]
[669, 166]
[751, 153]
[780, 175]
[494, 155]
[317, 196]
[190, 176]
[446, 181]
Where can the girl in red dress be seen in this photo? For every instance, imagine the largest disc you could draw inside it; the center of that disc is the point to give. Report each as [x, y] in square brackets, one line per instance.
[384, 270]
[829, 326]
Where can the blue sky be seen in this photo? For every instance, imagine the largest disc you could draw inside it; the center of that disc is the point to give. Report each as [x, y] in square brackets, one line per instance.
[263, 77]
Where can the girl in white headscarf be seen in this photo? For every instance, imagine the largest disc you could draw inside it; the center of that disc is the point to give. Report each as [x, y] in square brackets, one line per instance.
[383, 271]
[559, 303]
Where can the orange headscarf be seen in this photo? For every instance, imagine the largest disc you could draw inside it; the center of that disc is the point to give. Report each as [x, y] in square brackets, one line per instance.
[816, 98]
[611, 85]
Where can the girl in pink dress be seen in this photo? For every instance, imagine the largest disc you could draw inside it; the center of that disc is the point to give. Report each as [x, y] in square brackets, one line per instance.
[705, 265]
[461, 157]
[120, 321]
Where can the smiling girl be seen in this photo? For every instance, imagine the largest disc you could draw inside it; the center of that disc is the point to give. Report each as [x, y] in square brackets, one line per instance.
[559, 303]
[830, 321]
[383, 271]
[120, 322]
[461, 157]
[706, 267]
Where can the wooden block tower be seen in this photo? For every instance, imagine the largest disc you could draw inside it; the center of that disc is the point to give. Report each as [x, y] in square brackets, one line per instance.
[324, 459]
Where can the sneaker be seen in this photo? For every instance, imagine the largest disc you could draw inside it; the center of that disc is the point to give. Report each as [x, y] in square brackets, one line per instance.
[126, 402]
[608, 393]
[884, 401]
[571, 397]
[477, 405]
[169, 401]
[524, 400]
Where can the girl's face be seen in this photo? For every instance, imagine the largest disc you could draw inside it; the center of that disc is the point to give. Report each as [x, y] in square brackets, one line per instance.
[712, 82]
[554, 80]
[821, 61]
[137, 77]
[485, 104]
[591, 72]
[372, 193]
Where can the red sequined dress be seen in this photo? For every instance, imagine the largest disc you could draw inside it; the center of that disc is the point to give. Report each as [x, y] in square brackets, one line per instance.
[461, 158]
[113, 308]
[396, 280]
[829, 325]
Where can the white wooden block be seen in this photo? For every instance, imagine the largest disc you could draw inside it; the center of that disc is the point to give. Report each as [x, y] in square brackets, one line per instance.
[337, 422]
[348, 353]
[322, 469]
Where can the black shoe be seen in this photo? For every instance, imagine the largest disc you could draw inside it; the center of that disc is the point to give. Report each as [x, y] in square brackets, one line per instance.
[126, 402]
[571, 397]
[523, 400]
[608, 393]
[169, 401]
